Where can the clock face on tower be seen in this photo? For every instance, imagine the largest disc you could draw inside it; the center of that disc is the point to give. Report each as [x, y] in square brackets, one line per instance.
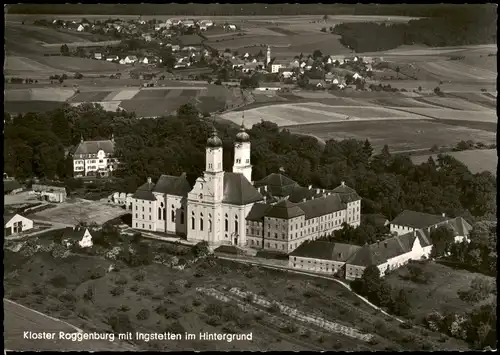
[238, 145]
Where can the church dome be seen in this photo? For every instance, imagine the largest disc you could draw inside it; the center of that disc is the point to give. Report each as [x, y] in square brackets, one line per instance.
[242, 136]
[214, 141]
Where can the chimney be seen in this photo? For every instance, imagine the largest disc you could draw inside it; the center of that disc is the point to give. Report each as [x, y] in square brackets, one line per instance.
[310, 187]
[342, 183]
[149, 180]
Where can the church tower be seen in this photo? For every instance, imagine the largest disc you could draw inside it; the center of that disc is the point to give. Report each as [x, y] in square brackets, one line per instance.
[214, 171]
[268, 55]
[242, 154]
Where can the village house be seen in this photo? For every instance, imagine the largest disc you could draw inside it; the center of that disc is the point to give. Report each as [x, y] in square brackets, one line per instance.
[188, 23]
[14, 224]
[277, 65]
[50, 193]
[112, 58]
[271, 86]
[319, 83]
[80, 28]
[94, 158]
[11, 186]
[130, 59]
[81, 236]
[237, 63]
[285, 72]
[98, 56]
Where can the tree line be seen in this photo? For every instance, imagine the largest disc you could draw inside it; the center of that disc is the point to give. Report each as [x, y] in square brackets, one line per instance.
[476, 25]
[40, 145]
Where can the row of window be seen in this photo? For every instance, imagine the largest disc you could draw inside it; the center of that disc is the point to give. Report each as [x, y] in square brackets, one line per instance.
[238, 161]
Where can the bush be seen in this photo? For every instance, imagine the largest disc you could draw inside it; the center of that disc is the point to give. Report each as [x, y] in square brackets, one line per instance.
[290, 328]
[97, 273]
[249, 298]
[196, 303]
[83, 312]
[134, 288]
[120, 323]
[175, 328]
[124, 308]
[140, 276]
[145, 292]
[117, 291]
[122, 280]
[59, 281]
[274, 308]
[186, 308]
[143, 314]
[89, 293]
[214, 321]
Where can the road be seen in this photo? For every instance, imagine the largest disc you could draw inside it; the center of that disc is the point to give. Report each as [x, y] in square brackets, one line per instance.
[19, 319]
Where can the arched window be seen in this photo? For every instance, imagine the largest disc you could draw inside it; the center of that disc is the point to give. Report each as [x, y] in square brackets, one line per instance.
[201, 223]
[172, 215]
[226, 224]
[164, 214]
[236, 226]
[209, 225]
[162, 205]
[192, 222]
[159, 213]
[182, 217]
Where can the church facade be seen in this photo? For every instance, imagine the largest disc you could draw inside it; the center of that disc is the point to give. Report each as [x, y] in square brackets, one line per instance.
[226, 208]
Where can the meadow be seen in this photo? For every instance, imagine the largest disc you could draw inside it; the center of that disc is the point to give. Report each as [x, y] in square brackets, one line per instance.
[440, 294]
[477, 160]
[399, 135]
[156, 298]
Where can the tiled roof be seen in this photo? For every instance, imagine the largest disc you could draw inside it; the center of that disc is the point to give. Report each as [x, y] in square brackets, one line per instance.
[7, 217]
[417, 220]
[10, 185]
[145, 192]
[279, 185]
[301, 193]
[92, 147]
[321, 206]
[325, 250]
[424, 238]
[77, 233]
[284, 210]
[238, 190]
[190, 40]
[347, 193]
[172, 185]
[458, 225]
[258, 211]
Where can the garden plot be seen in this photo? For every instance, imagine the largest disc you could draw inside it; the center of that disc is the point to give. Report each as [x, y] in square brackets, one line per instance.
[453, 103]
[151, 94]
[455, 70]
[81, 210]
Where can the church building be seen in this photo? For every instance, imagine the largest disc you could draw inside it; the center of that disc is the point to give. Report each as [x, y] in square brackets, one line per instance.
[227, 208]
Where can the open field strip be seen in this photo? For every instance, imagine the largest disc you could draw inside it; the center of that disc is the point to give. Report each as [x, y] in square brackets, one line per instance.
[359, 112]
[453, 103]
[82, 44]
[39, 94]
[262, 31]
[175, 88]
[449, 114]
[401, 102]
[126, 94]
[14, 64]
[456, 70]
[90, 96]
[398, 134]
[477, 160]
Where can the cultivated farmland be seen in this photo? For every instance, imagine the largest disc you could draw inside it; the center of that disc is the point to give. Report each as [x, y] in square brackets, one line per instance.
[448, 114]
[477, 160]
[399, 135]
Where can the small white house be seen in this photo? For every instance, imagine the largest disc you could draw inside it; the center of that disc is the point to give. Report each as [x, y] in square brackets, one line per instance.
[78, 235]
[15, 223]
[130, 59]
[80, 28]
[98, 56]
[357, 76]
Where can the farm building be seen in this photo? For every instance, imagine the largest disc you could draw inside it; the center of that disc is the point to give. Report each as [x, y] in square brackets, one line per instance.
[79, 235]
[94, 158]
[248, 214]
[278, 64]
[11, 187]
[121, 198]
[15, 223]
[50, 193]
[269, 87]
[409, 221]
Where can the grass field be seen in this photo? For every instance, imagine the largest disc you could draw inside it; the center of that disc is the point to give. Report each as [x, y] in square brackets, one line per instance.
[80, 210]
[452, 103]
[173, 298]
[477, 160]
[441, 293]
[313, 112]
[90, 96]
[444, 114]
[31, 106]
[152, 108]
[399, 135]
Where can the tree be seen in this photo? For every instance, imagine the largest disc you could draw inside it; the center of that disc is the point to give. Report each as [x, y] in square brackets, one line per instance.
[401, 305]
[442, 238]
[397, 71]
[64, 49]
[480, 289]
[325, 18]
[78, 75]
[317, 54]
[367, 149]
[416, 273]
[323, 29]
[201, 249]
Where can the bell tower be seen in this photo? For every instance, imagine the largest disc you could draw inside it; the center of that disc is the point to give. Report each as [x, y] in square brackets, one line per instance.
[242, 153]
[268, 55]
